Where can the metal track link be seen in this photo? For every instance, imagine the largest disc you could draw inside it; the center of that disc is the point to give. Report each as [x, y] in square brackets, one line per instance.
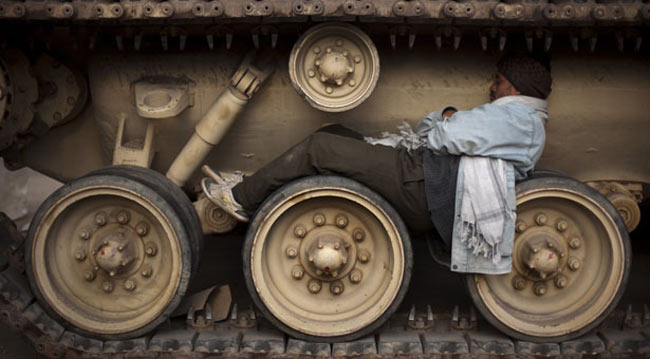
[435, 338]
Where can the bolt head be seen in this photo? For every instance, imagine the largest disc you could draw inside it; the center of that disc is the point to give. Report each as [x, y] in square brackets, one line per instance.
[317, 50]
[520, 227]
[129, 285]
[355, 276]
[341, 221]
[329, 89]
[328, 50]
[574, 263]
[107, 287]
[352, 83]
[146, 272]
[89, 275]
[299, 231]
[518, 283]
[541, 219]
[562, 226]
[123, 217]
[357, 59]
[291, 252]
[297, 272]
[142, 229]
[364, 256]
[358, 234]
[319, 219]
[540, 289]
[150, 250]
[84, 234]
[79, 255]
[100, 219]
[561, 281]
[314, 286]
[575, 242]
[336, 288]
[311, 73]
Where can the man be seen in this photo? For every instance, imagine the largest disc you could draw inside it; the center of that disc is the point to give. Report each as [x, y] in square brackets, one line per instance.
[461, 182]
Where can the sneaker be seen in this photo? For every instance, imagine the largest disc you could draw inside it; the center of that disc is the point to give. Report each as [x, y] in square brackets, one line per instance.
[221, 195]
[222, 178]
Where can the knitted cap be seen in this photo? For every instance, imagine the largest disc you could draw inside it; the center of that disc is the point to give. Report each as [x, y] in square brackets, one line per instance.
[526, 74]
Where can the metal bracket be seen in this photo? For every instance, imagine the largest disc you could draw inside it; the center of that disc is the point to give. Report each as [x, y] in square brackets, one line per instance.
[132, 153]
[248, 78]
[459, 322]
[245, 319]
[420, 320]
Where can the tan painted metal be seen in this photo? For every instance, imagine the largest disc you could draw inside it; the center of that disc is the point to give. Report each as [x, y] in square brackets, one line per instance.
[137, 153]
[335, 66]
[213, 219]
[307, 264]
[623, 198]
[106, 259]
[578, 276]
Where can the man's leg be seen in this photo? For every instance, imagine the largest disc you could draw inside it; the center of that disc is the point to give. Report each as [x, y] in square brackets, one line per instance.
[390, 172]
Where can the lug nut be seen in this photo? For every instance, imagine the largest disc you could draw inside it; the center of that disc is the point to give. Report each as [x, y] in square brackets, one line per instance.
[317, 50]
[352, 83]
[358, 234]
[311, 73]
[80, 255]
[129, 285]
[319, 219]
[292, 252]
[574, 263]
[89, 275]
[355, 276]
[297, 272]
[357, 59]
[107, 287]
[539, 288]
[575, 242]
[341, 221]
[299, 231]
[314, 286]
[100, 218]
[142, 229]
[123, 217]
[562, 226]
[336, 288]
[561, 281]
[328, 50]
[364, 256]
[541, 219]
[520, 227]
[146, 271]
[151, 249]
[329, 89]
[84, 234]
[518, 283]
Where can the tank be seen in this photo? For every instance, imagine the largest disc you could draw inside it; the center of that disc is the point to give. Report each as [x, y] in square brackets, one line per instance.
[124, 102]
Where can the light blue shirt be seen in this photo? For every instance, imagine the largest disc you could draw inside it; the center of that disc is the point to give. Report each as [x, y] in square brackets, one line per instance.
[510, 128]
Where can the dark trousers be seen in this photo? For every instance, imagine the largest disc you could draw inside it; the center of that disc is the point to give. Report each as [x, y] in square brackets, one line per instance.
[393, 173]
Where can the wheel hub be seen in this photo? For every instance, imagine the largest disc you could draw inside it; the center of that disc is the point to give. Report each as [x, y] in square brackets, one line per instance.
[116, 253]
[328, 255]
[540, 251]
[334, 66]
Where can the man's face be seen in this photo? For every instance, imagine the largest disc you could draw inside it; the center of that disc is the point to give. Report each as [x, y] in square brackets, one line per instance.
[501, 87]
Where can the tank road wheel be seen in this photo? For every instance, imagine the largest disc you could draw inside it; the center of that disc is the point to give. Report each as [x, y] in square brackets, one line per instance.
[327, 259]
[108, 256]
[571, 261]
[335, 66]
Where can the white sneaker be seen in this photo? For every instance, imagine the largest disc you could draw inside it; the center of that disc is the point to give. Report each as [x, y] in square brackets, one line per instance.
[221, 195]
[222, 178]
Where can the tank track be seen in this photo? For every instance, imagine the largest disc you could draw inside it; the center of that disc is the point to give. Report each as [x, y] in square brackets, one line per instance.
[446, 335]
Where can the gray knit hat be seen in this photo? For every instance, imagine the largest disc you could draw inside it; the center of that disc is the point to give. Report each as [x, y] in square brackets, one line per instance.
[526, 74]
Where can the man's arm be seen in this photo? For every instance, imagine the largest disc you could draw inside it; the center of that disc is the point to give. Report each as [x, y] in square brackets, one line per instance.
[427, 123]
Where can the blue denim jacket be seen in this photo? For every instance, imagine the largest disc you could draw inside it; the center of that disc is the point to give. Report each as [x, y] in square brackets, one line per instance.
[510, 128]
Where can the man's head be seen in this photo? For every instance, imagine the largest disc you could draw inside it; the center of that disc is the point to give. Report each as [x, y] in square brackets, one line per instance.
[520, 75]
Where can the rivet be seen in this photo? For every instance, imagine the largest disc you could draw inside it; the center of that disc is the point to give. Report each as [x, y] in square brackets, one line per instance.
[299, 231]
[364, 256]
[291, 252]
[346, 53]
[323, 78]
[319, 219]
[341, 221]
[518, 282]
[520, 227]
[84, 234]
[80, 255]
[100, 218]
[562, 226]
[120, 248]
[311, 73]
[574, 263]
[357, 59]
[358, 234]
[320, 245]
[107, 287]
[142, 229]
[89, 275]
[297, 272]
[561, 281]
[352, 83]
[339, 42]
[355, 276]
[339, 82]
[146, 271]
[317, 50]
[314, 286]
[575, 242]
[317, 63]
[541, 219]
[336, 288]
[123, 217]
[328, 50]
[112, 273]
[129, 285]
[539, 288]
[329, 89]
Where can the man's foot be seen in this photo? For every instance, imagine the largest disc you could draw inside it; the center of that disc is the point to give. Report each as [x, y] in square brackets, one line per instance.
[221, 195]
[222, 177]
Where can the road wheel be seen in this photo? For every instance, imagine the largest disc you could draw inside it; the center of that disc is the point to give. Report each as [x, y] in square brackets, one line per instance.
[571, 260]
[327, 259]
[109, 256]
